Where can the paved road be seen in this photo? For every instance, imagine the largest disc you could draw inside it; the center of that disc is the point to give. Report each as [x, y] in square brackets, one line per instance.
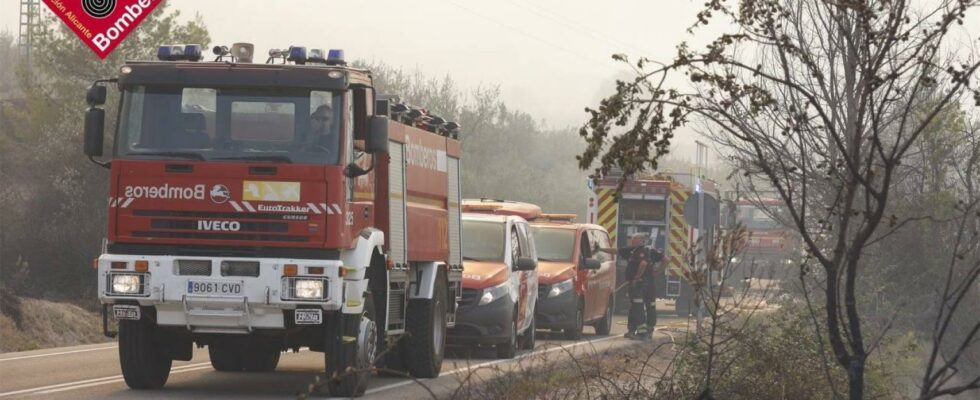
[92, 371]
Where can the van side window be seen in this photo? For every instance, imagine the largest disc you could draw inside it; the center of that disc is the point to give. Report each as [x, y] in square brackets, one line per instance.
[585, 246]
[515, 245]
[600, 239]
[526, 245]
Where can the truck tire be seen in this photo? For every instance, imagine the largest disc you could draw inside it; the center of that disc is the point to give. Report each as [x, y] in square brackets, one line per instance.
[425, 324]
[145, 364]
[575, 332]
[604, 325]
[509, 350]
[526, 341]
[347, 375]
[261, 360]
[225, 357]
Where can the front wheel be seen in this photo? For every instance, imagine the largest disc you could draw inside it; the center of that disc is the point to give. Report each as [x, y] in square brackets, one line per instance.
[426, 326]
[604, 325]
[509, 349]
[527, 340]
[575, 331]
[349, 362]
[144, 363]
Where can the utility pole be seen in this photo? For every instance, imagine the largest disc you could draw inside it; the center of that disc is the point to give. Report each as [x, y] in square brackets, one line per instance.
[700, 257]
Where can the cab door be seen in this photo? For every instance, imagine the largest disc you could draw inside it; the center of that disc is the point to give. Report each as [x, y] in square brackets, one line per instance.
[603, 280]
[528, 289]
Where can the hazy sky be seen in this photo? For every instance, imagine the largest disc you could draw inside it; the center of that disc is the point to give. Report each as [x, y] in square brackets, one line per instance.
[550, 57]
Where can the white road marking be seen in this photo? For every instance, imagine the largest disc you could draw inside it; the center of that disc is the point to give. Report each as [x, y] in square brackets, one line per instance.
[94, 381]
[58, 354]
[489, 363]
[120, 379]
[61, 387]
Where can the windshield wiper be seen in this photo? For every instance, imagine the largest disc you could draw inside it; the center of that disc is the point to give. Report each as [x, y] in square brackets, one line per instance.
[470, 258]
[179, 154]
[283, 159]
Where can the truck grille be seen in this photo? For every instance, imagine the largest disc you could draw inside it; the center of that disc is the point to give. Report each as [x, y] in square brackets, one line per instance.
[194, 267]
[470, 297]
[168, 224]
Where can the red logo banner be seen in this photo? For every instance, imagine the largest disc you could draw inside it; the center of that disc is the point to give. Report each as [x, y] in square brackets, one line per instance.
[102, 24]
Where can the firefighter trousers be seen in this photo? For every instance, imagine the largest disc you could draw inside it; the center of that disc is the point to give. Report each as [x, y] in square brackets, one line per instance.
[643, 308]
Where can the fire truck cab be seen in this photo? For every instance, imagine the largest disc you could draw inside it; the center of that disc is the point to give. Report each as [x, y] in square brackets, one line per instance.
[258, 208]
[500, 278]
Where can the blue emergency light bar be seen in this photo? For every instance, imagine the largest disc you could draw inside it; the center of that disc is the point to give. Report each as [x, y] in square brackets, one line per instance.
[297, 54]
[336, 57]
[178, 52]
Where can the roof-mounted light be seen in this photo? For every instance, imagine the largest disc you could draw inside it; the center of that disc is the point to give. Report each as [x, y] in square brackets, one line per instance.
[297, 54]
[336, 57]
[190, 52]
[316, 55]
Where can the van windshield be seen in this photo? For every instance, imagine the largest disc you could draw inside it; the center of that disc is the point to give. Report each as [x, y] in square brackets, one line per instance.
[554, 244]
[483, 240]
[200, 123]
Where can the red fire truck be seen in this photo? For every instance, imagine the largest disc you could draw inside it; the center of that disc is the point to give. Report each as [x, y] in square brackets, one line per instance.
[257, 208]
[652, 204]
[773, 246]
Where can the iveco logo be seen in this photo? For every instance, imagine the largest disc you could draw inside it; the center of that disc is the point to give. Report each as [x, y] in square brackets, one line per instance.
[99, 8]
[219, 226]
[220, 194]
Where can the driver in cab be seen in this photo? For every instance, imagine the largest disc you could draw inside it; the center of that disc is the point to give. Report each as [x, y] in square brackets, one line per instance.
[321, 137]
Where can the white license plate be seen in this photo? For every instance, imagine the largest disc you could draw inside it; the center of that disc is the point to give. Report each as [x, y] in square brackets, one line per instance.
[126, 312]
[214, 288]
[309, 317]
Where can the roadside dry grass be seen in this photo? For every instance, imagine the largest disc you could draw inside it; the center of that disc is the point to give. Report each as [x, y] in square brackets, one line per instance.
[30, 324]
[626, 372]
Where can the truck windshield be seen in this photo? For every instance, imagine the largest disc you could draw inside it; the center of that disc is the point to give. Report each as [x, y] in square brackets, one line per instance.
[483, 240]
[554, 244]
[199, 123]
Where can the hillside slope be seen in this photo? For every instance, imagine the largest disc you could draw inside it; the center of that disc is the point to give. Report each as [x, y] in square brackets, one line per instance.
[30, 324]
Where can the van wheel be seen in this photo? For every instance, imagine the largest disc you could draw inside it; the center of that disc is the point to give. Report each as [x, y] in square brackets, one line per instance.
[145, 364]
[604, 325]
[526, 341]
[426, 326]
[509, 349]
[575, 332]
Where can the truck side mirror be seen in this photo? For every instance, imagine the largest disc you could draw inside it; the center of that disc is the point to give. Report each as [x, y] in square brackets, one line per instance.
[94, 131]
[525, 264]
[591, 264]
[95, 95]
[377, 138]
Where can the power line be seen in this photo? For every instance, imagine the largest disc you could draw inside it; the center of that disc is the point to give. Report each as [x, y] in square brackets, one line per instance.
[575, 26]
[578, 55]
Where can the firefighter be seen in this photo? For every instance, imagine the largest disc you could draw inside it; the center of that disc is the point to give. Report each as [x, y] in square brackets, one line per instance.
[321, 134]
[640, 270]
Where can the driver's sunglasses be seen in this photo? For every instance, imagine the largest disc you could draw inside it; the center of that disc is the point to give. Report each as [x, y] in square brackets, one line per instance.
[321, 119]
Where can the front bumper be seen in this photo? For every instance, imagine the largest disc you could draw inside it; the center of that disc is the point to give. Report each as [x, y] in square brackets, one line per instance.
[486, 324]
[555, 312]
[259, 304]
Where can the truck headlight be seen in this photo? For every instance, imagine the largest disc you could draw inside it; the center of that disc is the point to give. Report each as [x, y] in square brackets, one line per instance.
[127, 284]
[560, 287]
[308, 288]
[493, 293]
